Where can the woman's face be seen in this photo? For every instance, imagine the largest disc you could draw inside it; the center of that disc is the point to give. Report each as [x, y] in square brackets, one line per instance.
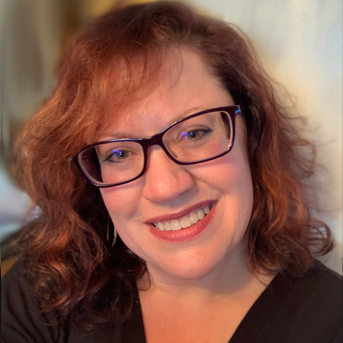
[168, 191]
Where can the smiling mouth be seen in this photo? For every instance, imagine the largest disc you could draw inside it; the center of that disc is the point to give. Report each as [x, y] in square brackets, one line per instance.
[185, 221]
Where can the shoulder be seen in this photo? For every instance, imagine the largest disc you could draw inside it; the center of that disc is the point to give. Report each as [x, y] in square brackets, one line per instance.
[323, 275]
[300, 309]
[21, 320]
[319, 285]
[310, 306]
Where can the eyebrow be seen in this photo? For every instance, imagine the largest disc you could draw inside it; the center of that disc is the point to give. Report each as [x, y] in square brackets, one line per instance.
[123, 134]
[186, 114]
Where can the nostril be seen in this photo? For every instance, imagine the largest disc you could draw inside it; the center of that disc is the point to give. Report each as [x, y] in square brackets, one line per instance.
[165, 181]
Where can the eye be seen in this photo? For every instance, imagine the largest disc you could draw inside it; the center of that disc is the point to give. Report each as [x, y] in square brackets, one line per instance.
[117, 155]
[195, 134]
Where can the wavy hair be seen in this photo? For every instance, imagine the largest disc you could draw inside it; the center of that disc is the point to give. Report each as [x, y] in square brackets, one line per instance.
[69, 265]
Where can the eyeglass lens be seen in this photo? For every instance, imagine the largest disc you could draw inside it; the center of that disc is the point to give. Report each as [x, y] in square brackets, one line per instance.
[193, 140]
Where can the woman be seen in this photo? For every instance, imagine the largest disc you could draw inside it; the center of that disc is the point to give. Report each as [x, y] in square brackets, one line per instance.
[172, 195]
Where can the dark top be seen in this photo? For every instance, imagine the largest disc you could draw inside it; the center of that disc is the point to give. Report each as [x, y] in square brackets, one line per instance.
[307, 309]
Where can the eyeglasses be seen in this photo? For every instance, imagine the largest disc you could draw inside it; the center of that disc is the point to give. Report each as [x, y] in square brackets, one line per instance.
[198, 138]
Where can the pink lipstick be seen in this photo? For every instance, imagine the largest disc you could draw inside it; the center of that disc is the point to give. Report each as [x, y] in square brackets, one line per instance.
[183, 234]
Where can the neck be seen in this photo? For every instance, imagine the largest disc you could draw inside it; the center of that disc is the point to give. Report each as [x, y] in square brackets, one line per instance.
[227, 279]
[199, 309]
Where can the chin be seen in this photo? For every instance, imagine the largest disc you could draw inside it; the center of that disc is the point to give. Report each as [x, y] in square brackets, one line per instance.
[194, 266]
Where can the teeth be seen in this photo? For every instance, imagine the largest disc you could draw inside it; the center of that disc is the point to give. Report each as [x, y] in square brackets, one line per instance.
[167, 226]
[193, 217]
[184, 222]
[200, 214]
[175, 225]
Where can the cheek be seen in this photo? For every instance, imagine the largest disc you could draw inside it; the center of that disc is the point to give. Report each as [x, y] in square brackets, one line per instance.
[122, 202]
[230, 174]
[233, 179]
[122, 206]
[238, 189]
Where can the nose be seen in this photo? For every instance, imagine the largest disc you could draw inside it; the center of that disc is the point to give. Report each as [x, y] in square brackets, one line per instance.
[164, 179]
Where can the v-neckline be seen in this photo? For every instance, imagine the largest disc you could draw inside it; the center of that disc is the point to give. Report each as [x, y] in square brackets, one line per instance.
[266, 306]
[258, 315]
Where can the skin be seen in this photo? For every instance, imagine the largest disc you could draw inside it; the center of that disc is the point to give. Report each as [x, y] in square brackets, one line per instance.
[209, 269]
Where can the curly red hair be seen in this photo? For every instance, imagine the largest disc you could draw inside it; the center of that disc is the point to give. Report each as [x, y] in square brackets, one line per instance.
[69, 264]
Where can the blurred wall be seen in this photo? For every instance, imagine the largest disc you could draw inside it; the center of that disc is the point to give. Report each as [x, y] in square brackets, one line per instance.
[299, 43]
[30, 43]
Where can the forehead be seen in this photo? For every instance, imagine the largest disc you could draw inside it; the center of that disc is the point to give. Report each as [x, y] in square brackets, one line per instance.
[181, 85]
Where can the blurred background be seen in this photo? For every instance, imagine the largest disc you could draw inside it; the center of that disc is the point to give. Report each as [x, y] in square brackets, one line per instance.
[298, 41]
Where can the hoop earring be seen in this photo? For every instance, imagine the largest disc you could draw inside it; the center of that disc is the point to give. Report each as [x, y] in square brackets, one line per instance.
[114, 234]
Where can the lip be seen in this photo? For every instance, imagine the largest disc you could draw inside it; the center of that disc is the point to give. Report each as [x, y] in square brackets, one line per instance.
[189, 233]
[182, 213]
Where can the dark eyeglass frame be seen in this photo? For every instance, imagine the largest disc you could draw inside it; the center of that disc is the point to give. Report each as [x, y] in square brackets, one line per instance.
[157, 139]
